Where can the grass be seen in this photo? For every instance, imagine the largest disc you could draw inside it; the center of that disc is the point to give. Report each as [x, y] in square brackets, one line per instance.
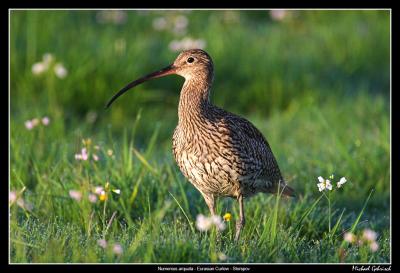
[326, 111]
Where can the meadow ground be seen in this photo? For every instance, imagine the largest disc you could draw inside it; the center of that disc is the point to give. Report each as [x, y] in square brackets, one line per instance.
[315, 83]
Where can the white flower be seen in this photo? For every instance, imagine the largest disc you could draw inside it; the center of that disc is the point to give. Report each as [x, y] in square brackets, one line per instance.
[186, 43]
[117, 191]
[98, 190]
[328, 184]
[180, 24]
[45, 121]
[29, 125]
[12, 197]
[76, 195]
[38, 68]
[203, 223]
[159, 23]
[102, 243]
[175, 45]
[374, 246]
[117, 249]
[369, 235]
[84, 154]
[92, 198]
[60, 71]
[95, 157]
[349, 237]
[222, 256]
[218, 222]
[278, 14]
[111, 16]
[341, 182]
[324, 184]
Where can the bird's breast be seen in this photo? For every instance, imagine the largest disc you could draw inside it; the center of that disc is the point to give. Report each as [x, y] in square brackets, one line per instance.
[206, 162]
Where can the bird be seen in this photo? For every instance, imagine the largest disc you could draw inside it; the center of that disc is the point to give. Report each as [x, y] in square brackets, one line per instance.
[220, 153]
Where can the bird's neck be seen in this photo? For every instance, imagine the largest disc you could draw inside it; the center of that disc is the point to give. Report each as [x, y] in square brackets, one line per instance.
[194, 99]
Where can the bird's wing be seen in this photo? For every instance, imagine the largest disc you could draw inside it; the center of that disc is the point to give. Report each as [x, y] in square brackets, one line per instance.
[254, 149]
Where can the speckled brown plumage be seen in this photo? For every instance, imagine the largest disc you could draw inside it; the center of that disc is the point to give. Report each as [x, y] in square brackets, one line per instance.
[220, 153]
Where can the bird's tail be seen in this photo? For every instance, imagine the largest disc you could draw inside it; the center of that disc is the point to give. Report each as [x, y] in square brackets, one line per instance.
[288, 191]
[283, 189]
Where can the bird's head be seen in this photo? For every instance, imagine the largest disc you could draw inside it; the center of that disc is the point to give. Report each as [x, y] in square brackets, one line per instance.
[189, 64]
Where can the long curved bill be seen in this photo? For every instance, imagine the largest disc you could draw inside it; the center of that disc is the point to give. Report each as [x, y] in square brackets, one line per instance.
[160, 73]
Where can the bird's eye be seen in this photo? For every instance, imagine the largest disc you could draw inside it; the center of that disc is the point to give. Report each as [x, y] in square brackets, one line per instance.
[190, 60]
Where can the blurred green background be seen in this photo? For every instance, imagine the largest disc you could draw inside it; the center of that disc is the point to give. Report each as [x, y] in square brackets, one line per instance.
[261, 64]
[316, 83]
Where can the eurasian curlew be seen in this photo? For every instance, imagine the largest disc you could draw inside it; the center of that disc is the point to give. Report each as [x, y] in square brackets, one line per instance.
[220, 153]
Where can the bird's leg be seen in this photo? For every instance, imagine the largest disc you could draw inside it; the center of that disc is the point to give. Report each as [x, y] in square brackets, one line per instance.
[210, 201]
[241, 222]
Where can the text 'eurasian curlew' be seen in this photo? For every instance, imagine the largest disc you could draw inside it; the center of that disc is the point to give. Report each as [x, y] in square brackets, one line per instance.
[220, 153]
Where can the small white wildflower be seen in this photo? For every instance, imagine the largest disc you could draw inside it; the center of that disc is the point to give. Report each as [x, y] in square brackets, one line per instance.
[203, 223]
[159, 23]
[117, 249]
[349, 237]
[186, 43]
[328, 184]
[175, 45]
[102, 243]
[180, 24]
[218, 222]
[95, 157]
[324, 184]
[110, 152]
[45, 121]
[278, 14]
[38, 68]
[369, 235]
[117, 191]
[76, 195]
[92, 198]
[60, 71]
[98, 190]
[12, 197]
[374, 246]
[222, 256]
[78, 156]
[29, 125]
[84, 154]
[341, 182]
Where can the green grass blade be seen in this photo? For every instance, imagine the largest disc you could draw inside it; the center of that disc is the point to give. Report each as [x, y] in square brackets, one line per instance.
[307, 212]
[184, 213]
